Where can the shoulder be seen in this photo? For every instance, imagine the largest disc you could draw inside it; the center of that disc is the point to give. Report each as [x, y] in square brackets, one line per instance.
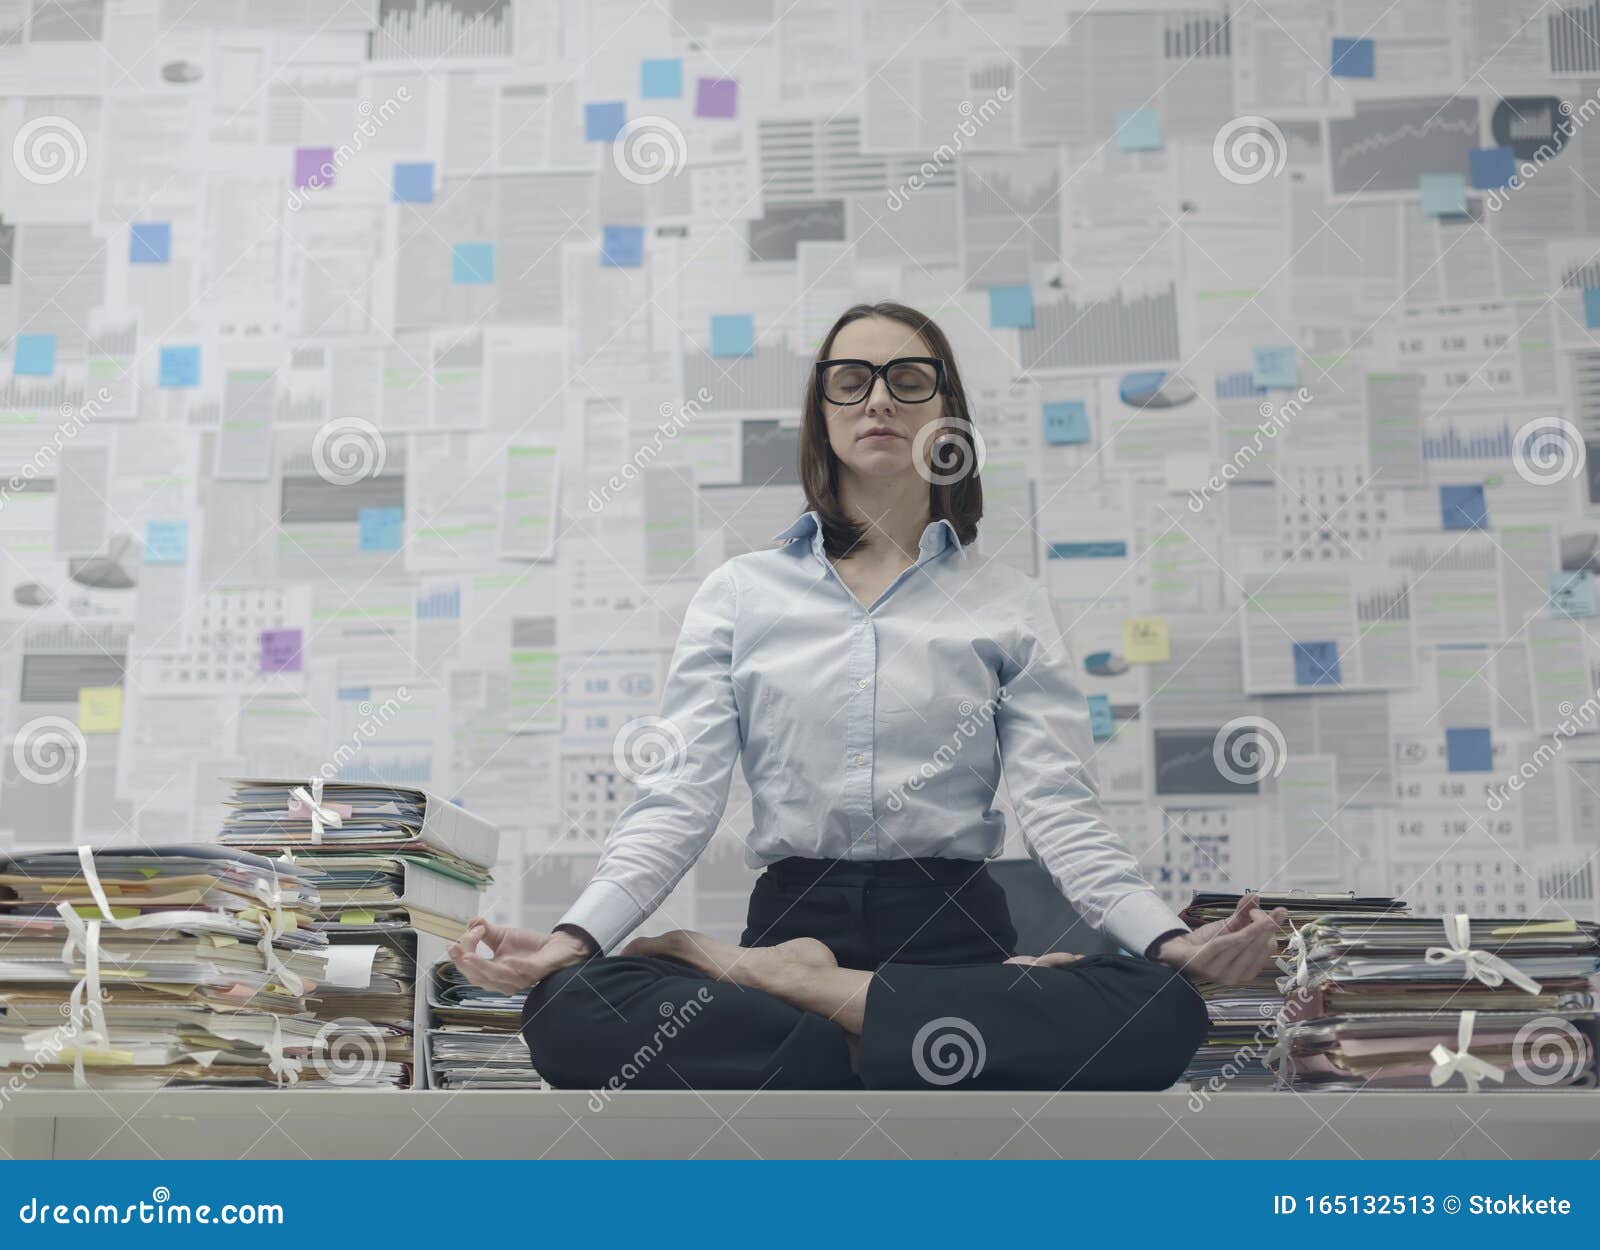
[750, 573]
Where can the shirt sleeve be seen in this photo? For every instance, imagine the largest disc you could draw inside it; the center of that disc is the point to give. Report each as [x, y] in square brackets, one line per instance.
[691, 750]
[1042, 721]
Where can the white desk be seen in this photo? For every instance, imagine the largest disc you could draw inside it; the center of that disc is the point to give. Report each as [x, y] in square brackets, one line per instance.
[641, 1125]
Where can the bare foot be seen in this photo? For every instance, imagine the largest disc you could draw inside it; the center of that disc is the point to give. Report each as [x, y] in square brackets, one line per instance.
[1056, 959]
[755, 967]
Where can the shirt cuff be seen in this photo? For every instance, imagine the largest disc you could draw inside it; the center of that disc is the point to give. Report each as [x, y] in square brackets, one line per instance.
[1135, 920]
[606, 912]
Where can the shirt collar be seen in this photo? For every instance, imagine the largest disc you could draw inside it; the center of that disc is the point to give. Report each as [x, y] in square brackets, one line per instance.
[936, 535]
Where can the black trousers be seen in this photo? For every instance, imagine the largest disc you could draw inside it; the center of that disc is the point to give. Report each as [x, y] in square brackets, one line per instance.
[943, 1010]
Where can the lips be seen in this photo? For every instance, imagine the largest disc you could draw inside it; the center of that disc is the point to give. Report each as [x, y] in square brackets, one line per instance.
[881, 433]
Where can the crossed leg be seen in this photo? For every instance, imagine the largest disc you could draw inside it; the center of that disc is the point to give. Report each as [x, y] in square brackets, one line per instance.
[788, 1017]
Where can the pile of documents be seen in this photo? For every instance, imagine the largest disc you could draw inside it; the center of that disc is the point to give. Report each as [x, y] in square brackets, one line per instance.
[474, 1038]
[137, 968]
[1245, 1018]
[395, 867]
[1406, 1002]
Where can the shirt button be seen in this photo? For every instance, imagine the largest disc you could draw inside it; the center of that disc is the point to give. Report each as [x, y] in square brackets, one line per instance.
[861, 683]
[860, 759]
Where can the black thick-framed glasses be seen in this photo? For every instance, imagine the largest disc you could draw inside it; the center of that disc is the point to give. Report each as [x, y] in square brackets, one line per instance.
[910, 379]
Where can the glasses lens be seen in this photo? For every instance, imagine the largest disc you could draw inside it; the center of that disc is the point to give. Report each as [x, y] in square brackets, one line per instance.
[846, 383]
[912, 382]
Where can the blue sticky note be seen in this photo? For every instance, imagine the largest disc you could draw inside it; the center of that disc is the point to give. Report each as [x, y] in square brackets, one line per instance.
[413, 182]
[1353, 58]
[1591, 307]
[1316, 664]
[733, 334]
[472, 264]
[34, 355]
[150, 243]
[180, 366]
[661, 80]
[1443, 195]
[166, 542]
[1011, 307]
[603, 121]
[622, 246]
[1101, 723]
[1463, 508]
[1572, 594]
[1492, 167]
[1275, 365]
[1468, 751]
[1066, 421]
[1138, 130]
[381, 528]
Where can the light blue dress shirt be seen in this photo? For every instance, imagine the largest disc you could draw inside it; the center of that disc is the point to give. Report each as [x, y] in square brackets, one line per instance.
[872, 732]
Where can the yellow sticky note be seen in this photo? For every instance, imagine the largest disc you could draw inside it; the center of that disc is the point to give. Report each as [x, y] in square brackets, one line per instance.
[89, 911]
[1535, 926]
[1145, 640]
[100, 709]
[356, 917]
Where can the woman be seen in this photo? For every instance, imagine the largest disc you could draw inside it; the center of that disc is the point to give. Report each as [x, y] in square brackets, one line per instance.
[873, 674]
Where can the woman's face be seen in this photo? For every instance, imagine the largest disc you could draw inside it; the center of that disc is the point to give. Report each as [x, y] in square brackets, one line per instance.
[877, 434]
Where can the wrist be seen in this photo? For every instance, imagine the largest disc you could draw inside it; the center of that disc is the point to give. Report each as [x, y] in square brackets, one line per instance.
[582, 945]
[1163, 950]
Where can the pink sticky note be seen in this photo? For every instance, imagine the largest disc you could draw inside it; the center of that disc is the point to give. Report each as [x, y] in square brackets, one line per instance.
[308, 167]
[280, 651]
[299, 809]
[716, 97]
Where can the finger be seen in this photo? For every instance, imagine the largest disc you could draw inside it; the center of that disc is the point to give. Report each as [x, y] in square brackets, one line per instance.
[484, 973]
[1027, 960]
[1241, 913]
[1058, 959]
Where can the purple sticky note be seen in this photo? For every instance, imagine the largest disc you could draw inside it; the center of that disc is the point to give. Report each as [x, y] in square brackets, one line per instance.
[313, 167]
[280, 651]
[716, 97]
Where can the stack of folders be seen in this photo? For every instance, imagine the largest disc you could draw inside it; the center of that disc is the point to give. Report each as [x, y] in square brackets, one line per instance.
[1244, 1018]
[474, 1037]
[1406, 1002]
[137, 968]
[398, 871]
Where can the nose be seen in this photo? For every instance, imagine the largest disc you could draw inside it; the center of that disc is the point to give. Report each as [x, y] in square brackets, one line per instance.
[879, 400]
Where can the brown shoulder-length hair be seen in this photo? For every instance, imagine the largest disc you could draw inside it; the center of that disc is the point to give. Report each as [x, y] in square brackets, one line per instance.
[959, 500]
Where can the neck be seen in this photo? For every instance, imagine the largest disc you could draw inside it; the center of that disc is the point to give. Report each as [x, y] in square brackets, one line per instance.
[893, 512]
